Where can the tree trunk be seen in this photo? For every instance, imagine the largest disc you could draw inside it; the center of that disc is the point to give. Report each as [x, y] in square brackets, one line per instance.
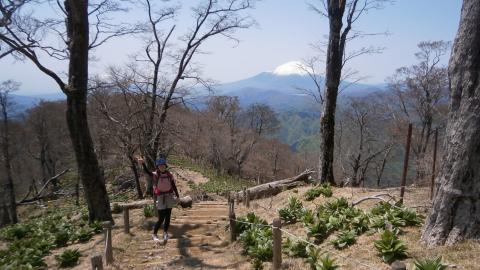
[133, 166]
[457, 202]
[90, 173]
[273, 188]
[332, 81]
[8, 206]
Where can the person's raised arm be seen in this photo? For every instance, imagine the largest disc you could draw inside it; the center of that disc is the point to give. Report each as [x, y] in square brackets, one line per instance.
[145, 169]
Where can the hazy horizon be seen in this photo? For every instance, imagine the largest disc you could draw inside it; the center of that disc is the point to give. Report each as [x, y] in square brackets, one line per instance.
[272, 43]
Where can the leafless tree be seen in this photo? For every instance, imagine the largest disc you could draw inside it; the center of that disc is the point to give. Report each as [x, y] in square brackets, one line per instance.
[363, 143]
[421, 90]
[8, 207]
[342, 15]
[455, 209]
[165, 71]
[33, 37]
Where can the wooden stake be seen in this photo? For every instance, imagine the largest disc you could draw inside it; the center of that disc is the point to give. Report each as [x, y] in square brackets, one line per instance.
[126, 220]
[231, 217]
[277, 244]
[96, 261]
[405, 162]
[107, 226]
[247, 199]
[432, 184]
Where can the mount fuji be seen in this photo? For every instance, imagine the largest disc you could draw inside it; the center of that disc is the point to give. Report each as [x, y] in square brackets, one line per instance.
[280, 88]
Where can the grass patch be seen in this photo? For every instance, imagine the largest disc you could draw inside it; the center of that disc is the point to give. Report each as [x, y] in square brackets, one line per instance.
[218, 182]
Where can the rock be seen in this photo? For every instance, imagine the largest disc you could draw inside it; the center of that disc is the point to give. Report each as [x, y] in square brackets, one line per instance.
[186, 202]
[398, 265]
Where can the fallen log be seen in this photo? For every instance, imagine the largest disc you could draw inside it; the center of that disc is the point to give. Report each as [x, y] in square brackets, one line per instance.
[273, 188]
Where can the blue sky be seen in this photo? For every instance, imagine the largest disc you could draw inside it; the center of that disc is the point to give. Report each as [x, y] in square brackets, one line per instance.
[285, 30]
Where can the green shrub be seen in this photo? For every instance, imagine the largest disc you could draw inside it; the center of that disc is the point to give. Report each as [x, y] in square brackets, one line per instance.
[344, 239]
[16, 231]
[96, 226]
[429, 264]
[293, 212]
[336, 206]
[257, 243]
[390, 247]
[319, 263]
[116, 208]
[318, 230]
[84, 235]
[61, 238]
[324, 189]
[308, 217]
[295, 248]
[68, 258]
[149, 210]
[250, 218]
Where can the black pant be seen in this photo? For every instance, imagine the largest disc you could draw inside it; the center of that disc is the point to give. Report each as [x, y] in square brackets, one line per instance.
[163, 217]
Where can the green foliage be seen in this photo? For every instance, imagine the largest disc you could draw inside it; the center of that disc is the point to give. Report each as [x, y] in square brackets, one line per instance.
[429, 264]
[324, 189]
[308, 217]
[257, 243]
[96, 226]
[336, 206]
[116, 209]
[61, 238]
[68, 258]
[317, 262]
[250, 218]
[219, 182]
[293, 212]
[318, 230]
[295, 248]
[29, 242]
[396, 215]
[84, 235]
[344, 239]
[149, 210]
[16, 231]
[390, 247]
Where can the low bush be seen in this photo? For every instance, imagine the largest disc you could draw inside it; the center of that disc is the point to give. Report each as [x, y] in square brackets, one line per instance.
[69, 258]
[390, 248]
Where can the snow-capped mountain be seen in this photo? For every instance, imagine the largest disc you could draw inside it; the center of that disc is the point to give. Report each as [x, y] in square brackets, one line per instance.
[280, 88]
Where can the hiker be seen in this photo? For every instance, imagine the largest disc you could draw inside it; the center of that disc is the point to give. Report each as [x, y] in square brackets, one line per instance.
[164, 189]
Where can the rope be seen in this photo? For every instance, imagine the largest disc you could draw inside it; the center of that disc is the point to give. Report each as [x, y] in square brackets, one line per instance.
[249, 223]
[328, 250]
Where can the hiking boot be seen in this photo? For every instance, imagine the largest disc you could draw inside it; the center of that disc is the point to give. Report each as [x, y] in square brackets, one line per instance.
[165, 236]
[155, 238]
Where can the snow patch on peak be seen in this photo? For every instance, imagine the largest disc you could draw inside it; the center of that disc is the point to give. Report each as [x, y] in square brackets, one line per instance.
[291, 68]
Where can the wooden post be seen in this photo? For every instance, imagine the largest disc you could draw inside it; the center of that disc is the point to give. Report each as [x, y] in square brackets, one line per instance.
[247, 199]
[432, 184]
[231, 218]
[245, 196]
[126, 220]
[107, 226]
[405, 162]
[277, 244]
[97, 263]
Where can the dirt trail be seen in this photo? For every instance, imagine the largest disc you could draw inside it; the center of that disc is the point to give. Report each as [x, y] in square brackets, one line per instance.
[198, 237]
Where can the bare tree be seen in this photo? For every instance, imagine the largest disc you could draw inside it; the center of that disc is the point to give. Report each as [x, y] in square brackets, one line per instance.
[8, 207]
[31, 38]
[455, 210]
[421, 91]
[342, 15]
[362, 140]
[165, 71]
